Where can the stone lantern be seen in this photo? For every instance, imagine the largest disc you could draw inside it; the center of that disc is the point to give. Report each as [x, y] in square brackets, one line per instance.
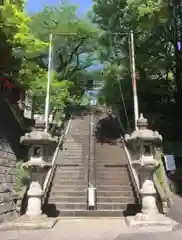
[38, 165]
[143, 142]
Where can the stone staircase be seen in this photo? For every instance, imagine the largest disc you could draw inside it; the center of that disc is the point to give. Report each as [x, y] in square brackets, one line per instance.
[115, 191]
[68, 194]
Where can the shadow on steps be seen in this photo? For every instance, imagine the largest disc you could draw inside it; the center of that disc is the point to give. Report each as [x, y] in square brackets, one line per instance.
[132, 209]
[50, 210]
[108, 130]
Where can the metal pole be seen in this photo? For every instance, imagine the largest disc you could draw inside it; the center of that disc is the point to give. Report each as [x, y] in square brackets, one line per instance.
[48, 84]
[133, 75]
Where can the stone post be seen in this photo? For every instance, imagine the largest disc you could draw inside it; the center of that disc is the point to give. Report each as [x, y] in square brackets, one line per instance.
[38, 165]
[143, 142]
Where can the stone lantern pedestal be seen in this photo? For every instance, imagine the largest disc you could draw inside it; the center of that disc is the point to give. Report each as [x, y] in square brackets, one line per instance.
[38, 165]
[143, 142]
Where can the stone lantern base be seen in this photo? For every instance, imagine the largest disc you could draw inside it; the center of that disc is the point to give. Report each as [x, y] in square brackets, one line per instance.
[26, 222]
[156, 219]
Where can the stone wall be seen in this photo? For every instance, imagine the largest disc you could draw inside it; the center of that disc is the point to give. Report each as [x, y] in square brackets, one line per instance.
[10, 152]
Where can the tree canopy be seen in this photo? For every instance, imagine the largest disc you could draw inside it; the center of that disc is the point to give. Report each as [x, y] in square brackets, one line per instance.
[73, 51]
[159, 90]
[79, 43]
[73, 46]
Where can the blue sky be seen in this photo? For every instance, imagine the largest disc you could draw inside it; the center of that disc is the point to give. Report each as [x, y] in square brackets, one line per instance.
[37, 5]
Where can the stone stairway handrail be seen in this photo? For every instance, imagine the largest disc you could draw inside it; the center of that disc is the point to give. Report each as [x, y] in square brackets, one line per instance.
[50, 174]
[164, 191]
[161, 194]
[133, 174]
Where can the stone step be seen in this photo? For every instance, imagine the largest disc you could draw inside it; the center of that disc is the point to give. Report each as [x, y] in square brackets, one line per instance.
[73, 159]
[110, 164]
[74, 162]
[119, 177]
[112, 181]
[67, 171]
[107, 187]
[111, 161]
[70, 205]
[63, 178]
[76, 138]
[69, 166]
[67, 199]
[117, 170]
[69, 181]
[112, 206]
[67, 175]
[69, 193]
[86, 213]
[117, 155]
[114, 194]
[113, 172]
[77, 144]
[73, 187]
[106, 173]
[77, 149]
[73, 154]
[114, 199]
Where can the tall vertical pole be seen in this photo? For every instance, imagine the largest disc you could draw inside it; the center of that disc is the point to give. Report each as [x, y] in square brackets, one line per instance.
[133, 75]
[48, 84]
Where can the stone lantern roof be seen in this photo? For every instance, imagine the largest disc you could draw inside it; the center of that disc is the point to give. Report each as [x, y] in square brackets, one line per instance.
[38, 135]
[143, 133]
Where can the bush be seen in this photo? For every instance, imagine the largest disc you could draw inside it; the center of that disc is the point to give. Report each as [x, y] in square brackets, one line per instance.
[21, 178]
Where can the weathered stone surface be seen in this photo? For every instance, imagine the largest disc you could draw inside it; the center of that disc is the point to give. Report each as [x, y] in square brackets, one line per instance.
[10, 151]
[7, 216]
[6, 207]
[4, 155]
[5, 197]
[27, 223]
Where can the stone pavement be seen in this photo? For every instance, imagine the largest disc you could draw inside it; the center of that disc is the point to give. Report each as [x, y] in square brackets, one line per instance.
[93, 229]
[175, 211]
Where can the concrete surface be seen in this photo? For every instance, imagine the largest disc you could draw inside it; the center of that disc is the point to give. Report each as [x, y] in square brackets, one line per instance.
[175, 211]
[145, 220]
[93, 229]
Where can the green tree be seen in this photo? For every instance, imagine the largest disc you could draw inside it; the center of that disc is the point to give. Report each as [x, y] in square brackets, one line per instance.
[18, 44]
[73, 39]
[155, 43]
[73, 50]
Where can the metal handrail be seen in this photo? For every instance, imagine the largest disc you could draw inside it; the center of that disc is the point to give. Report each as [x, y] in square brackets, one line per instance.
[50, 174]
[91, 143]
[91, 165]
